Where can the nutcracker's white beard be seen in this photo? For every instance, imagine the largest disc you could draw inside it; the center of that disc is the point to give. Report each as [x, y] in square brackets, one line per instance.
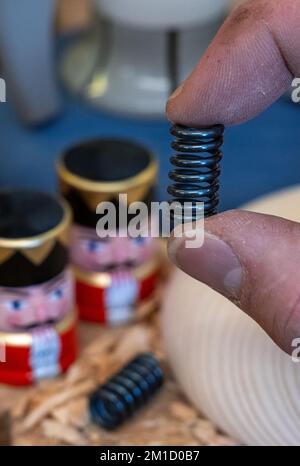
[45, 353]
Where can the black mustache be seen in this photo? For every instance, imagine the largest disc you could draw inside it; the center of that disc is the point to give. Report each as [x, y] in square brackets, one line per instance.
[113, 267]
[36, 325]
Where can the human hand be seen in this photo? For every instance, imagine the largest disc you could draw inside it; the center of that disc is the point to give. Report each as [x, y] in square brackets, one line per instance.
[252, 259]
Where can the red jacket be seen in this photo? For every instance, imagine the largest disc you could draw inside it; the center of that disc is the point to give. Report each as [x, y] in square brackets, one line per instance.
[90, 297]
[17, 370]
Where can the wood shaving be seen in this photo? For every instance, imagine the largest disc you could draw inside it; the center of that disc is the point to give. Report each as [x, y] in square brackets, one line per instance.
[5, 428]
[74, 413]
[204, 431]
[52, 402]
[67, 434]
[136, 340]
[222, 441]
[182, 411]
[21, 406]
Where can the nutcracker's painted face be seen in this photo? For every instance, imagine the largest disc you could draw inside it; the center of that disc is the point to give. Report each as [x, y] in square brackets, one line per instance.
[90, 252]
[22, 309]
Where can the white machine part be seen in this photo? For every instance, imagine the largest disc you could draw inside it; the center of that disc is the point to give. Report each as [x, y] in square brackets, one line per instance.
[123, 65]
[161, 14]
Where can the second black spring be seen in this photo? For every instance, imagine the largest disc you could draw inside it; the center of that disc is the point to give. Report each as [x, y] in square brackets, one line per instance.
[197, 168]
[117, 400]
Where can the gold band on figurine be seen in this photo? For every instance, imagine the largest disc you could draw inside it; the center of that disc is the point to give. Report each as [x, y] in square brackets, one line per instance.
[104, 279]
[145, 177]
[57, 233]
[24, 339]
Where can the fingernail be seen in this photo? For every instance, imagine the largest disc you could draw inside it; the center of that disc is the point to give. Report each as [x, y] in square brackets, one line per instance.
[177, 92]
[214, 264]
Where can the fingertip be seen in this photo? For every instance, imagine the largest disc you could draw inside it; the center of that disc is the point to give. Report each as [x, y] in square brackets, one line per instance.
[241, 74]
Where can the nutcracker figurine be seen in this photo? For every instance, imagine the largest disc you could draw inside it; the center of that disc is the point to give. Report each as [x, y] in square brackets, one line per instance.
[37, 320]
[116, 275]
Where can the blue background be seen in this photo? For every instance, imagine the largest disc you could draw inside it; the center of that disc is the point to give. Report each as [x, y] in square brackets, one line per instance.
[259, 156]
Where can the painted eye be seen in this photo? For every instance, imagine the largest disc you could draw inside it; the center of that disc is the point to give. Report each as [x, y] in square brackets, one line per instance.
[16, 305]
[93, 246]
[57, 294]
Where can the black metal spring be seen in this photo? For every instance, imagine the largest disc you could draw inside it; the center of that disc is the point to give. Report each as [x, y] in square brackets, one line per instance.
[130, 389]
[197, 162]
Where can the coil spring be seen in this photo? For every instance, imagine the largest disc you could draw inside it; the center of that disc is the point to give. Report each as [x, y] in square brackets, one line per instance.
[197, 171]
[116, 401]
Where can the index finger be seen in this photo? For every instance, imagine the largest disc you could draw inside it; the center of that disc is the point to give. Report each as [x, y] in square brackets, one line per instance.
[250, 64]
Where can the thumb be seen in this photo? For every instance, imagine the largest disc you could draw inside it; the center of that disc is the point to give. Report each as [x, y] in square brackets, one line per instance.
[253, 260]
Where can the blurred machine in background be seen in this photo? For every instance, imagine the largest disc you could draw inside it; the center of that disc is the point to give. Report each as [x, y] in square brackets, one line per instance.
[129, 61]
[27, 57]
[138, 51]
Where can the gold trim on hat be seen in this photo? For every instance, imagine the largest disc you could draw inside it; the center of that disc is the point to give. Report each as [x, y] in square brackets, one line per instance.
[24, 339]
[145, 177]
[104, 279]
[37, 243]
[6, 254]
[38, 255]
